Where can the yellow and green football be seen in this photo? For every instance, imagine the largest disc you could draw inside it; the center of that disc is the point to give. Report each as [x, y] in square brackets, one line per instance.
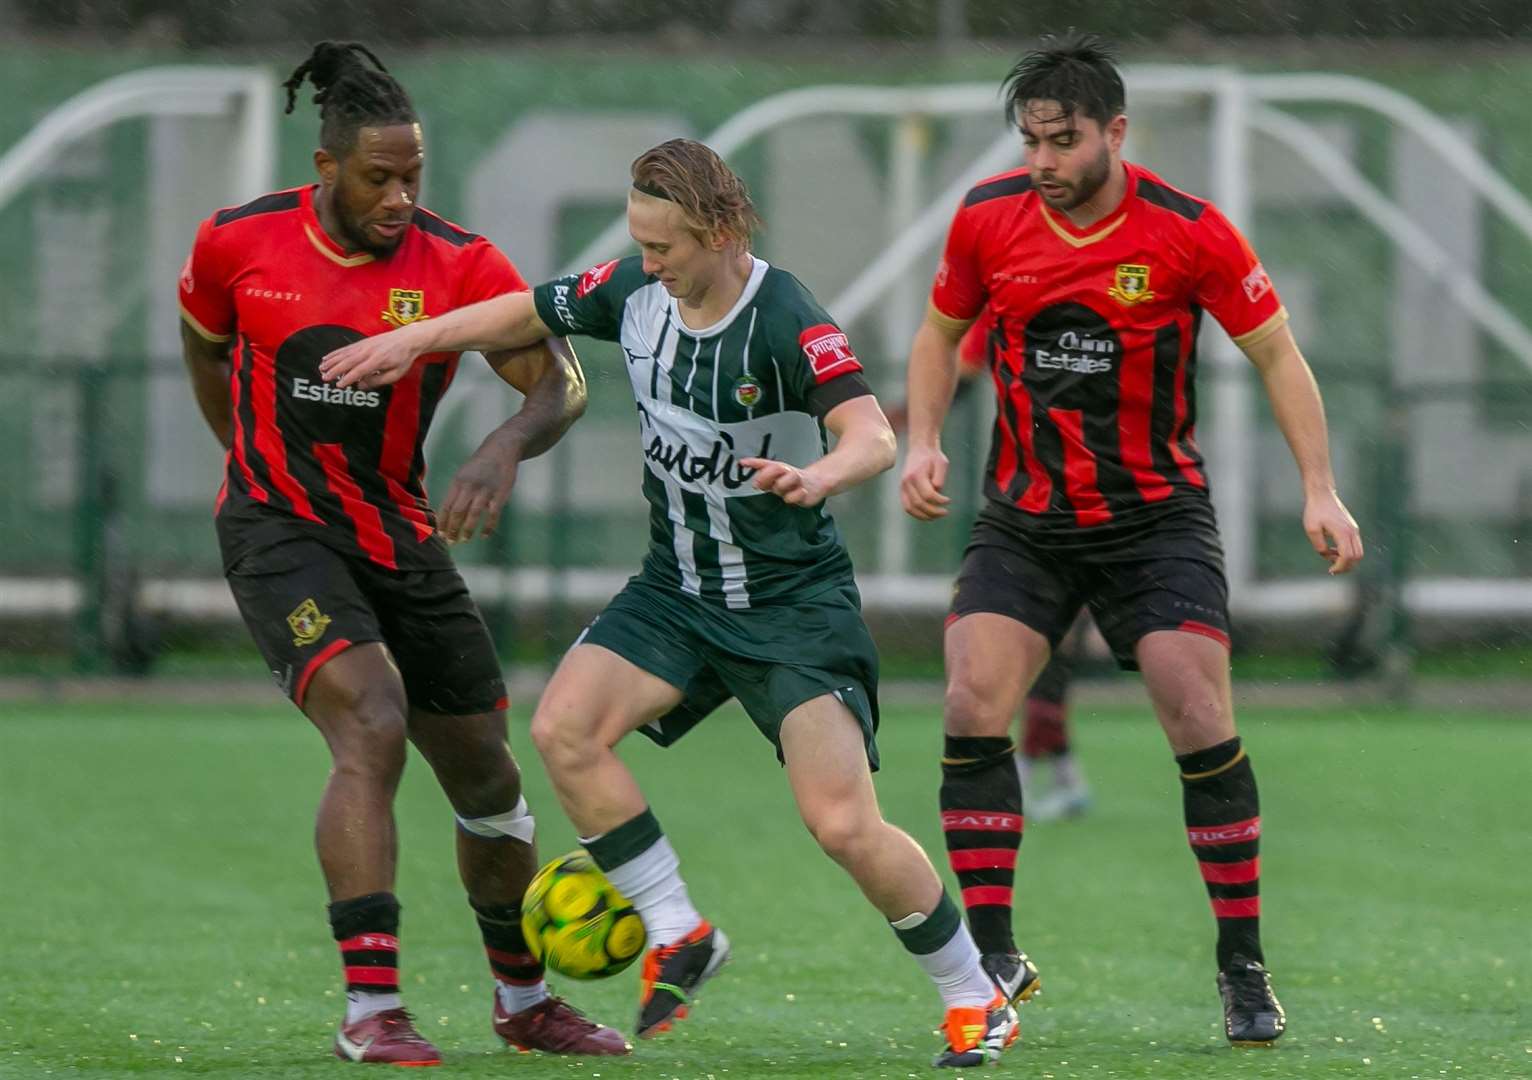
[577, 922]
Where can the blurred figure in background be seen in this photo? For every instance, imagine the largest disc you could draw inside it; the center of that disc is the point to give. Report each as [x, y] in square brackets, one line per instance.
[1043, 741]
[1052, 780]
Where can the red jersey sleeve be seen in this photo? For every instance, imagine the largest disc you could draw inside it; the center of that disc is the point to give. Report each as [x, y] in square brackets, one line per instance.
[207, 301]
[1232, 284]
[973, 350]
[486, 273]
[959, 293]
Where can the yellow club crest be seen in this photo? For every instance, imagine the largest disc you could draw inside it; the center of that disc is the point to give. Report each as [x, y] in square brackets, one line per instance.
[405, 306]
[1131, 285]
[307, 624]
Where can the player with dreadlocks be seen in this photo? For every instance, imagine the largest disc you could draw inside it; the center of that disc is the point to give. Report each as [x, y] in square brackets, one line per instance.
[335, 558]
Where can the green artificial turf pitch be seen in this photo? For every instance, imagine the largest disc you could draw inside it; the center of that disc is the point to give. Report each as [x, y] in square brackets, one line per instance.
[161, 913]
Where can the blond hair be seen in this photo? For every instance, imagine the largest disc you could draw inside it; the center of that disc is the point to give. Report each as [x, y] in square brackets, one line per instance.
[689, 174]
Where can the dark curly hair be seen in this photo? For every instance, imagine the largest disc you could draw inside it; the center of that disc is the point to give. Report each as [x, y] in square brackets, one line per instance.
[1079, 71]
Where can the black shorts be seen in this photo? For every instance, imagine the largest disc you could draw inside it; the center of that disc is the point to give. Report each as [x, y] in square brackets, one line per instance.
[305, 603]
[1168, 578]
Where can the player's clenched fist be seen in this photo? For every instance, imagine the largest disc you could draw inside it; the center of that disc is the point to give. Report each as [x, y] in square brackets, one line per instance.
[920, 488]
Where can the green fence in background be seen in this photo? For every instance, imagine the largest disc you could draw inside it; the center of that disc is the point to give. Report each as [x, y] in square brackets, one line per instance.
[467, 98]
[75, 431]
[95, 527]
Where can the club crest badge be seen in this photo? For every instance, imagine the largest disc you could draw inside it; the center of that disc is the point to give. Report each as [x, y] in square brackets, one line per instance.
[747, 391]
[1131, 285]
[405, 306]
[307, 624]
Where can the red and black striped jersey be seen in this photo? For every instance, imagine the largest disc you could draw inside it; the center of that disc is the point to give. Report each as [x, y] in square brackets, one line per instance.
[1092, 344]
[344, 466]
[973, 349]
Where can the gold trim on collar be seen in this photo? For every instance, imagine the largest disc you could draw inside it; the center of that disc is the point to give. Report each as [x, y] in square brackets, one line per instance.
[324, 249]
[1079, 241]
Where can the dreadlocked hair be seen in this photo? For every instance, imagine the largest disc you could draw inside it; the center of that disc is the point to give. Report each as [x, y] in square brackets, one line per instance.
[1077, 70]
[350, 95]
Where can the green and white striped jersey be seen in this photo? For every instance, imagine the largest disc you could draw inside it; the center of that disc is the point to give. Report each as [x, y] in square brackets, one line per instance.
[755, 384]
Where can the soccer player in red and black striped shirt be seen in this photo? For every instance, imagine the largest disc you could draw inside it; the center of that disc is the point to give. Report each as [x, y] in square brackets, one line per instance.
[337, 562]
[1098, 273]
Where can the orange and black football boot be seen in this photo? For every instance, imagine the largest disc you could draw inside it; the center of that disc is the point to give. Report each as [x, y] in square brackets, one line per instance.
[673, 974]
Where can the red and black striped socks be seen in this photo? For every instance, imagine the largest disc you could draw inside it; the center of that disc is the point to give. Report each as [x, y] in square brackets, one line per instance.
[982, 823]
[1223, 823]
[367, 930]
[518, 974]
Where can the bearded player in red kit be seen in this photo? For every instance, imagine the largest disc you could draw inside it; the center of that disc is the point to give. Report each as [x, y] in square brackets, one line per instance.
[1098, 274]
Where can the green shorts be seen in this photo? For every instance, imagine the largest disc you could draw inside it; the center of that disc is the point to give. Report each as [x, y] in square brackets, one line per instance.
[773, 658]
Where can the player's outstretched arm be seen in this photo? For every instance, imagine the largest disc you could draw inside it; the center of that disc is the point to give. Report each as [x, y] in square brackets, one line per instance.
[864, 447]
[1300, 413]
[549, 376]
[207, 362]
[933, 377]
[509, 321]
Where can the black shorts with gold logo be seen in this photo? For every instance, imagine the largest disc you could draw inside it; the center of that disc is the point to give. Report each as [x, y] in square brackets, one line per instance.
[1168, 576]
[305, 603]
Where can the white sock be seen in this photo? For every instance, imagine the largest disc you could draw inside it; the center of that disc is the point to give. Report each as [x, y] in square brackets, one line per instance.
[652, 880]
[515, 999]
[955, 968]
[1066, 773]
[1023, 770]
[360, 1004]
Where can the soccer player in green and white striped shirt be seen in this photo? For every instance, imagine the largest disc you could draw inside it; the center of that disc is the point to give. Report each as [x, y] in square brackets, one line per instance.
[746, 591]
